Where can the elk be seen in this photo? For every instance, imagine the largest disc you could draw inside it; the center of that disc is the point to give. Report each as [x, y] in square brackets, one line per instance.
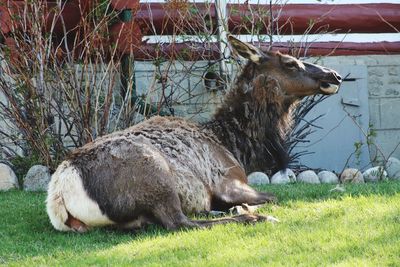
[165, 168]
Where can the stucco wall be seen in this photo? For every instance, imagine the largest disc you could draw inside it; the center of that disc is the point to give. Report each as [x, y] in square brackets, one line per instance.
[5, 128]
[384, 98]
[383, 85]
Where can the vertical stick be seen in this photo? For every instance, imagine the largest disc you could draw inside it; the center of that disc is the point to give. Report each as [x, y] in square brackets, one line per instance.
[271, 24]
[127, 72]
[221, 11]
[127, 65]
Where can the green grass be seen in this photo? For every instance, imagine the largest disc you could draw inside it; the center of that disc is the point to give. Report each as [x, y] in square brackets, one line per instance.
[360, 227]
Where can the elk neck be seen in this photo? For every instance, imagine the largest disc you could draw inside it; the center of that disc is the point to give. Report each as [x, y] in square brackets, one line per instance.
[254, 121]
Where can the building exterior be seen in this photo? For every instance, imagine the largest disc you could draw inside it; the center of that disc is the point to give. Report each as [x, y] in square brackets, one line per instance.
[359, 38]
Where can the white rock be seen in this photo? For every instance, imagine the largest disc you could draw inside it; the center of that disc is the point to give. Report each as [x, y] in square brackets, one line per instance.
[7, 163]
[283, 177]
[8, 179]
[309, 177]
[37, 178]
[375, 174]
[258, 178]
[327, 177]
[393, 168]
[351, 175]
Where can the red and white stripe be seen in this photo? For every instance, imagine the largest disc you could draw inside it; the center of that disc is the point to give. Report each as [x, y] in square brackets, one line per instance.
[357, 27]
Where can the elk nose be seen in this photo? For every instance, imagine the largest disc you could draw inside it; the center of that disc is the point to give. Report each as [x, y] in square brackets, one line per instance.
[323, 73]
[332, 75]
[338, 77]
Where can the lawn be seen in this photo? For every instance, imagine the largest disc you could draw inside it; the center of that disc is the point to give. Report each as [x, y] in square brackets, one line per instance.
[358, 227]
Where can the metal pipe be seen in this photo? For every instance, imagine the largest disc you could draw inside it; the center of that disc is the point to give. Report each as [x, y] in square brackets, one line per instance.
[126, 65]
[128, 72]
[222, 20]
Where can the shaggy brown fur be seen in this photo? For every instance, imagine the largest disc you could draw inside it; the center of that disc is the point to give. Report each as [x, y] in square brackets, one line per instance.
[165, 168]
[174, 161]
[254, 125]
[256, 115]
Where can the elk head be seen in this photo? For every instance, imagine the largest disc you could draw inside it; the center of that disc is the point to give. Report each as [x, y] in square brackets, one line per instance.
[295, 77]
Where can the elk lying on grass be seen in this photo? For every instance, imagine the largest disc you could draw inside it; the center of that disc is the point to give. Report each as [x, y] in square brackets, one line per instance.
[165, 168]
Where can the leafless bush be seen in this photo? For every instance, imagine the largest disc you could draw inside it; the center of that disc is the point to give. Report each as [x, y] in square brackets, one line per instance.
[191, 25]
[64, 90]
[303, 128]
[60, 89]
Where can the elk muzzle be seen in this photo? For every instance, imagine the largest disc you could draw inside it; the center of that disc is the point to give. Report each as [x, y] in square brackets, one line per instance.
[328, 79]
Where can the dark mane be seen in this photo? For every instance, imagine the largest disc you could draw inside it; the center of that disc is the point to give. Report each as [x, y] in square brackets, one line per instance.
[254, 121]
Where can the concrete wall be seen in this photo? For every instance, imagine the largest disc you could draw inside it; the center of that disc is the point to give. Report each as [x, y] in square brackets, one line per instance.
[5, 125]
[184, 85]
[384, 99]
[383, 86]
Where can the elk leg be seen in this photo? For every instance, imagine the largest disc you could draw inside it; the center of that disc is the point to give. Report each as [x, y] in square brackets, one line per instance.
[181, 221]
[243, 218]
[236, 193]
[243, 193]
[174, 222]
[169, 213]
[171, 217]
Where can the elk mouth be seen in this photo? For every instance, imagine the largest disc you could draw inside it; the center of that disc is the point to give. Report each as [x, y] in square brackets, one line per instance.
[328, 88]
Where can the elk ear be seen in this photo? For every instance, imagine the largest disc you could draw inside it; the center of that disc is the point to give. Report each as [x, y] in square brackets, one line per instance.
[246, 50]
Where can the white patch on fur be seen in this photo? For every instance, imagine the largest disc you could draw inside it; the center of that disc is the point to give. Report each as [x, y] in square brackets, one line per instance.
[66, 193]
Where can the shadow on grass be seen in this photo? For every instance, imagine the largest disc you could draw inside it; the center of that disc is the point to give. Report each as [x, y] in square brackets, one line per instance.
[26, 233]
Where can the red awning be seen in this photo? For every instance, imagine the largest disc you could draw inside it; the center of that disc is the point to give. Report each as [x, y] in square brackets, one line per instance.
[197, 51]
[162, 19]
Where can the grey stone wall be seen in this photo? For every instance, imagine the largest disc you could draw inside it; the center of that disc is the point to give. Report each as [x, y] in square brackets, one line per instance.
[383, 85]
[5, 125]
[183, 85]
[196, 103]
[384, 98]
